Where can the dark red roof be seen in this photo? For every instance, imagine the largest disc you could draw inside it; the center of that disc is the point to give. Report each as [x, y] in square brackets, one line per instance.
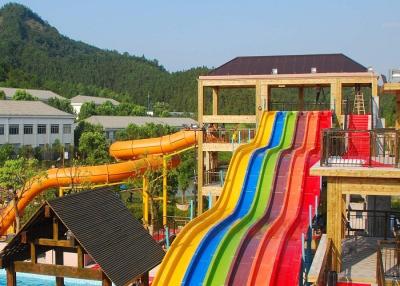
[292, 64]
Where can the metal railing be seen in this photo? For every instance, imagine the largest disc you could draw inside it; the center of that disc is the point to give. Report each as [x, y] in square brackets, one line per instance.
[360, 148]
[296, 106]
[388, 261]
[173, 227]
[222, 135]
[214, 177]
[372, 223]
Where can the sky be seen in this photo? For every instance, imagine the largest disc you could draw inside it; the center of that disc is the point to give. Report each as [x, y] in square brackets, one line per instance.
[182, 34]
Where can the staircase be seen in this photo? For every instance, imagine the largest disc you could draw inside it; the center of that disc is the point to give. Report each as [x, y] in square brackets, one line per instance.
[359, 142]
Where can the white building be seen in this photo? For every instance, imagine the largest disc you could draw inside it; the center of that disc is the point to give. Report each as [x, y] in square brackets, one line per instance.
[112, 124]
[79, 100]
[34, 123]
[42, 95]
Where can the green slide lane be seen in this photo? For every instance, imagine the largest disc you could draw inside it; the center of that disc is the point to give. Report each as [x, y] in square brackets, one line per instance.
[219, 267]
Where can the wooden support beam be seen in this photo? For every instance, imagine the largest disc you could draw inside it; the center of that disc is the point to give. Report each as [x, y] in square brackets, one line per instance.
[229, 119]
[105, 281]
[59, 261]
[33, 253]
[259, 108]
[55, 228]
[11, 275]
[55, 243]
[145, 279]
[58, 270]
[301, 98]
[215, 91]
[398, 110]
[200, 111]
[334, 220]
[80, 257]
[47, 211]
[24, 237]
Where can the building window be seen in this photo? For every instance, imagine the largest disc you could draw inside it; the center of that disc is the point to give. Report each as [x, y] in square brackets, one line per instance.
[1, 129]
[13, 129]
[67, 129]
[54, 128]
[28, 129]
[41, 129]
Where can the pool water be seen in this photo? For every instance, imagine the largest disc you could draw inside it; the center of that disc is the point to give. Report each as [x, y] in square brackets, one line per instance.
[24, 279]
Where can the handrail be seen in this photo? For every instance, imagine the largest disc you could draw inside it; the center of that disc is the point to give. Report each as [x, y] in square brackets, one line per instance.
[322, 263]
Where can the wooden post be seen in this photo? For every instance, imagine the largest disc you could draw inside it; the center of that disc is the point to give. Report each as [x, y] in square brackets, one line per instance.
[398, 110]
[200, 109]
[145, 279]
[80, 257]
[334, 220]
[55, 228]
[215, 92]
[11, 275]
[301, 98]
[258, 102]
[336, 95]
[59, 261]
[105, 281]
[33, 253]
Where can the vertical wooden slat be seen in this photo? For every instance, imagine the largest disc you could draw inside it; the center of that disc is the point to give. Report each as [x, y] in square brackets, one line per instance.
[200, 109]
[215, 92]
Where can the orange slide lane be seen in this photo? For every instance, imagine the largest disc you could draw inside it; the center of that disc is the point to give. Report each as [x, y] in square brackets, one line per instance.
[107, 173]
[263, 266]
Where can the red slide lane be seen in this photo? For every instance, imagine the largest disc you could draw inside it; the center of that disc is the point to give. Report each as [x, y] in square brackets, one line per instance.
[262, 269]
[289, 261]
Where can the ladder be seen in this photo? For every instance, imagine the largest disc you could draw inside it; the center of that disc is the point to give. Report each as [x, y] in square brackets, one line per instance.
[359, 107]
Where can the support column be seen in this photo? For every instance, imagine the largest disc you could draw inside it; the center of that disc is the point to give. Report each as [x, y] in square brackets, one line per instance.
[105, 281]
[398, 110]
[215, 92]
[258, 102]
[59, 261]
[200, 109]
[336, 97]
[301, 98]
[164, 184]
[11, 275]
[334, 220]
[145, 195]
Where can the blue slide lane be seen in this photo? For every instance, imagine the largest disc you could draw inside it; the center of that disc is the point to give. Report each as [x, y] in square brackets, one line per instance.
[198, 266]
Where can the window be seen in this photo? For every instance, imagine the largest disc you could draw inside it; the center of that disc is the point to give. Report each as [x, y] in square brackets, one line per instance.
[67, 128]
[13, 129]
[54, 128]
[28, 129]
[41, 129]
[1, 129]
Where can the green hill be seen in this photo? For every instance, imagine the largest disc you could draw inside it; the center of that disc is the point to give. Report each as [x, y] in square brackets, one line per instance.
[34, 54]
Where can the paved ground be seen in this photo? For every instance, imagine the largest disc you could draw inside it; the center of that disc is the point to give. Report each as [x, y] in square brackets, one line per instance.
[359, 259]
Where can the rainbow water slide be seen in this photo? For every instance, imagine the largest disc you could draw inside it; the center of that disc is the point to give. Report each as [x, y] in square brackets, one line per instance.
[183, 248]
[107, 173]
[289, 260]
[267, 212]
[263, 269]
[222, 258]
[201, 260]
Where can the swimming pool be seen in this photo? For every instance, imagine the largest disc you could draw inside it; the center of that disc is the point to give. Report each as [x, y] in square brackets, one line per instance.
[24, 279]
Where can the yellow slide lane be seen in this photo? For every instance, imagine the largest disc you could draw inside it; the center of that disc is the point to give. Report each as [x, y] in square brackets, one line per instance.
[178, 257]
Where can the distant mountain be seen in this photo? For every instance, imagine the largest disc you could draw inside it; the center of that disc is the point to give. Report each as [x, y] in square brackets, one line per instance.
[33, 54]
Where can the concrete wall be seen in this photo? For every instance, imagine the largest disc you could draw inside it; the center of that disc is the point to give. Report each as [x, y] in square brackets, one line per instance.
[36, 139]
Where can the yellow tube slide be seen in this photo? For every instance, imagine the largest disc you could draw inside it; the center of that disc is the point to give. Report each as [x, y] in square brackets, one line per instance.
[108, 173]
[178, 257]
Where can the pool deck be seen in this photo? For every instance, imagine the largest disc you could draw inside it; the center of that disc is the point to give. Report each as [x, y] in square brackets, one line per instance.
[359, 259]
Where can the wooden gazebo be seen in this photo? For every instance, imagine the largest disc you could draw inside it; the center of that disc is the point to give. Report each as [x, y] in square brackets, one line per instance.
[93, 222]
